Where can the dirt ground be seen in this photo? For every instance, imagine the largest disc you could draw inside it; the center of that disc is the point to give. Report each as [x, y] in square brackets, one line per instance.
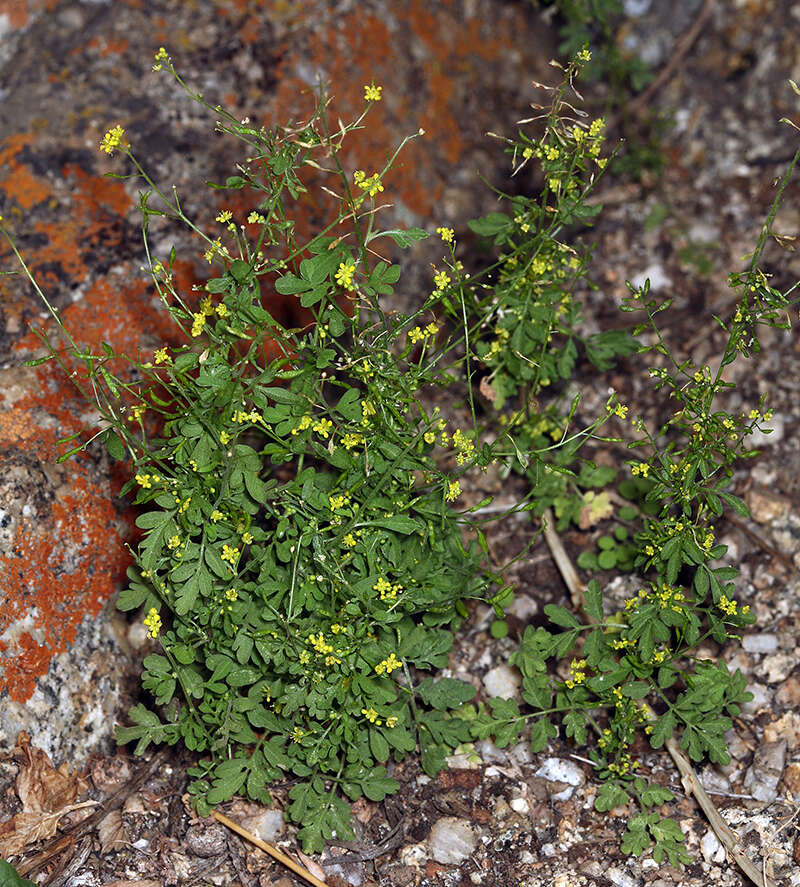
[685, 226]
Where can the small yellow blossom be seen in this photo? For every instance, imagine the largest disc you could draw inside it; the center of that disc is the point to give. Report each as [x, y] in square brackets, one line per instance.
[371, 715]
[162, 356]
[441, 279]
[153, 622]
[392, 721]
[349, 540]
[222, 310]
[620, 410]
[230, 554]
[387, 666]
[231, 594]
[247, 537]
[198, 322]
[453, 490]
[642, 468]
[225, 216]
[112, 139]
[224, 437]
[143, 480]
[372, 93]
[137, 411]
[344, 276]
[297, 734]
[429, 437]
[322, 427]
[446, 234]
[216, 515]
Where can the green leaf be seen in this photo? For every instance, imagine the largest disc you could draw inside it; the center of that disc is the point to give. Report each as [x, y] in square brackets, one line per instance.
[490, 225]
[445, 693]
[609, 797]
[541, 733]
[402, 237]
[594, 600]
[10, 877]
[290, 285]
[560, 616]
[115, 446]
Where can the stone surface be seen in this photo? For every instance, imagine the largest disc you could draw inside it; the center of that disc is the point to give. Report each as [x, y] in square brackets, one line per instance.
[502, 681]
[562, 771]
[452, 840]
[760, 643]
[763, 776]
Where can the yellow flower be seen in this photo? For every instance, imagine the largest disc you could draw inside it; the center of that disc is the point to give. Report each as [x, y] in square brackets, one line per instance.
[160, 57]
[392, 721]
[344, 276]
[198, 322]
[453, 490]
[161, 356]
[372, 93]
[224, 437]
[247, 537]
[137, 411]
[231, 594]
[370, 714]
[387, 666]
[230, 554]
[112, 139]
[153, 622]
[416, 335]
[620, 410]
[446, 234]
[322, 427]
[441, 279]
[225, 216]
[143, 480]
[349, 540]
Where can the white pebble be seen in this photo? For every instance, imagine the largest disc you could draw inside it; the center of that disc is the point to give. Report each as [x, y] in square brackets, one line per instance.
[502, 681]
[618, 878]
[520, 805]
[711, 848]
[451, 840]
[760, 643]
[559, 770]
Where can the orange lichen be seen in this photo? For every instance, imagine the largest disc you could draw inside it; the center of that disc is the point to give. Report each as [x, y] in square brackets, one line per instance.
[55, 578]
[24, 188]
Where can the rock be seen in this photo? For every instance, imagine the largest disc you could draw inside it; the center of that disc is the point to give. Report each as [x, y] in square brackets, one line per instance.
[521, 806]
[789, 692]
[560, 770]
[502, 681]
[619, 878]
[490, 753]
[711, 848]
[777, 667]
[763, 776]
[268, 825]
[760, 643]
[791, 777]
[761, 698]
[206, 839]
[451, 840]
[786, 728]
[766, 506]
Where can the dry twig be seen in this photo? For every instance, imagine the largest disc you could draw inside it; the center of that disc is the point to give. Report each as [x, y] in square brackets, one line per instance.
[268, 848]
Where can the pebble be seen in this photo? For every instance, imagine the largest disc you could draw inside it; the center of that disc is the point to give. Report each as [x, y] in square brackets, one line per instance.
[761, 699]
[559, 770]
[452, 840]
[765, 507]
[268, 825]
[789, 692]
[791, 778]
[490, 753]
[778, 667]
[206, 841]
[711, 848]
[502, 681]
[763, 776]
[760, 643]
[786, 727]
[521, 806]
[618, 878]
